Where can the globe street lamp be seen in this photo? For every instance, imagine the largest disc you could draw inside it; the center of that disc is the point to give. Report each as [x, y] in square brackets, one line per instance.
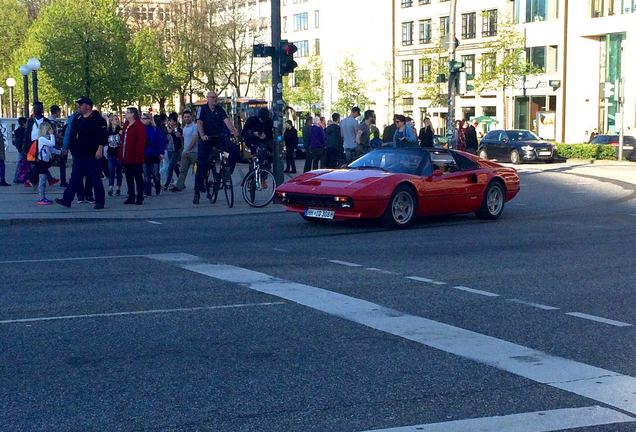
[10, 83]
[34, 65]
[24, 70]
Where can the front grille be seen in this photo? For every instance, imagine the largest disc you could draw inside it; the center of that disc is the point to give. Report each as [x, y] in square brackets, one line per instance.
[323, 201]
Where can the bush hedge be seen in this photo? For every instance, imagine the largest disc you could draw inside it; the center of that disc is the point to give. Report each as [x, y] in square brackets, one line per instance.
[587, 151]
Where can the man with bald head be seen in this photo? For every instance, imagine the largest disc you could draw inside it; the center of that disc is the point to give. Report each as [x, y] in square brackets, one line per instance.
[214, 127]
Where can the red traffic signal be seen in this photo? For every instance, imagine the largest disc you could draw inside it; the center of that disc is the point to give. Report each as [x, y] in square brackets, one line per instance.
[286, 61]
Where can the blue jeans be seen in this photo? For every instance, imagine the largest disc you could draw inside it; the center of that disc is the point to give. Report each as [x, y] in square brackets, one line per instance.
[114, 171]
[173, 159]
[91, 169]
[151, 173]
[204, 151]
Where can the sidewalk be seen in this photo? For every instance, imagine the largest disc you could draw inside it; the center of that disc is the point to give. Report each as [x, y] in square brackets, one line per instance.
[17, 203]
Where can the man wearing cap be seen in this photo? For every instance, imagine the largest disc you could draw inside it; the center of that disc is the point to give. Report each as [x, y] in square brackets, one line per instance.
[349, 129]
[88, 138]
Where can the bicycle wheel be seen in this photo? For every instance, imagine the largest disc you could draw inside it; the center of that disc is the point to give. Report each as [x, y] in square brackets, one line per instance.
[259, 187]
[228, 187]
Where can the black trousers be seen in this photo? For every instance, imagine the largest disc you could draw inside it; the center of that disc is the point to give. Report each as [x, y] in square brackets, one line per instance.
[135, 180]
[290, 159]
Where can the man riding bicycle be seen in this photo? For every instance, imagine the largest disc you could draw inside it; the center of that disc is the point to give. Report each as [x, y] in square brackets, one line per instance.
[258, 134]
[215, 128]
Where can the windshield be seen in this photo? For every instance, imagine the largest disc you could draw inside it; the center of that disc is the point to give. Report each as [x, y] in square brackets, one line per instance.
[391, 160]
[521, 135]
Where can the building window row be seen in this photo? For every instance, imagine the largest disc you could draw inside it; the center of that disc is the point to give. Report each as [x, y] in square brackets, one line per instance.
[469, 27]
[527, 11]
[303, 48]
[601, 8]
[426, 65]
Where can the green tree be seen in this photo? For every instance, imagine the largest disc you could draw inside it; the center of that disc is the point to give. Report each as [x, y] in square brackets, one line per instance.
[351, 91]
[306, 92]
[154, 83]
[14, 22]
[432, 65]
[504, 63]
[83, 48]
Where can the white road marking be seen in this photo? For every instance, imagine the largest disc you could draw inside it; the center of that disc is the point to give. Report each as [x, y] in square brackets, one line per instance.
[154, 222]
[388, 272]
[536, 305]
[70, 259]
[599, 319]
[540, 421]
[280, 250]
[420, 279]
[602, 385]
[142, 312]
[476, 291]
[438, 283]
[345, 263]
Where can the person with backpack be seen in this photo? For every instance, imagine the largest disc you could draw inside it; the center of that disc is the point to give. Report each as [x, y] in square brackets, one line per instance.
[114, 167]
[21, 166]
[334, 142]
[175, 147]
[3, 181]
[30, 144]
[46, 147]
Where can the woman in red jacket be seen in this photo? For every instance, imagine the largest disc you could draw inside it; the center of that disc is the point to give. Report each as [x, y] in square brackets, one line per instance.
[131, 155]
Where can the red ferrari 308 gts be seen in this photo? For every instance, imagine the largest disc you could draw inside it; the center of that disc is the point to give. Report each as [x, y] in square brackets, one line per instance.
[400, 184]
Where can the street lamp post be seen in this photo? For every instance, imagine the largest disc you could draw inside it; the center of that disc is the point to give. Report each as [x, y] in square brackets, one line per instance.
[10, 83]
[24, 70]
[34, 65]
[1, 109]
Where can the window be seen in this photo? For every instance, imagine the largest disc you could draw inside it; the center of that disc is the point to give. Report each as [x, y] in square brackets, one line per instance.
[407, 71]
[536, 56]
[425, 31]
[551, 58]
[407, 3]
[469, 25]
[488, 62]
[489, 24]
[425, 69]
[424, 2]
[316, 19]
[303, 48]
[542, 10]
[316, 46]
[407, 33]
[300, 21]
[284, 24]
[444, 26]
[469, 62]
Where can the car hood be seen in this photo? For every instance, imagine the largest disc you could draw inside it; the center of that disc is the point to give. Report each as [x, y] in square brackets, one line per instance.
[337, 181]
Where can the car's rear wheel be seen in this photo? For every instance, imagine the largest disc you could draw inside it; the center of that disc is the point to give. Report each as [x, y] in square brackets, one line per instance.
[483, 154]
[400, 212]
[493, 203]
[515, 157]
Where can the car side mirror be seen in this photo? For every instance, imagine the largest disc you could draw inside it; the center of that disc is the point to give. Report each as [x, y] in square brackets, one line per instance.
[437, 173]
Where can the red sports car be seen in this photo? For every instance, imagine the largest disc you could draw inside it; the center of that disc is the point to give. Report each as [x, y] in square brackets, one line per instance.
[400, 184]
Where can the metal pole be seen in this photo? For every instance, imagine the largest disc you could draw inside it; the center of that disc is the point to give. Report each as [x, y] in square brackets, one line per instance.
[25, 83]
[621, 106]
[35, 86]
[11, 102]
[452, 76]
[277, 92]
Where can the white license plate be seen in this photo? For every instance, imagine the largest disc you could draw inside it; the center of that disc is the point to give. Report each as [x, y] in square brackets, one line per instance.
[545, 153]
[320, 214]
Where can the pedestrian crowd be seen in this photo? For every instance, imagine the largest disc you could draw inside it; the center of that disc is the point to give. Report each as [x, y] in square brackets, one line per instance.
[330, 144]
[146, 148]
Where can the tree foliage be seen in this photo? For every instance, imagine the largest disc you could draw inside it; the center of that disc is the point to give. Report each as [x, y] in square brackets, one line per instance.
[306, 92]
[87, 55]
[14, 22]
[436, 64]
[351, 91]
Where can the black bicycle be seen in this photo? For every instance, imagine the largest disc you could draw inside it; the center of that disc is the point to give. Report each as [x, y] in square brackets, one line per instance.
[219, 177]
[259, 184]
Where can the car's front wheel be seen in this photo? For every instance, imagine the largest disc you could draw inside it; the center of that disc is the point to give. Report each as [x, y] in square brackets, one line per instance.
[400, 212]
[483, 154]
[515, 157]
[493, 203]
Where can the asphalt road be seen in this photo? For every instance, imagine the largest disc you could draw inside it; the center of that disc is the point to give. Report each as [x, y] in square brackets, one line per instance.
[269, 323]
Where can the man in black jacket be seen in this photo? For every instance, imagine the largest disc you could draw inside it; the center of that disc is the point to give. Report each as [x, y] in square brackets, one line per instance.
[88, 138]
[31, 134]
[334, 142]
[471, 138]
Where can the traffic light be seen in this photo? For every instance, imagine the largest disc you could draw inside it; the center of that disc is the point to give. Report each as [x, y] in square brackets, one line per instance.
[455, 66]
[286, 61]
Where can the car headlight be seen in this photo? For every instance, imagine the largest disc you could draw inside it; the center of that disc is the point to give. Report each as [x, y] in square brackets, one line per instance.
[527, 148]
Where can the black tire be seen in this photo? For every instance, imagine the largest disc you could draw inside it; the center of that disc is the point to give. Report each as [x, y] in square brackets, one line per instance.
[228, 187]
[493, 203]
[483, 153]
[515, 157]
[402, 208]
[255, 196]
